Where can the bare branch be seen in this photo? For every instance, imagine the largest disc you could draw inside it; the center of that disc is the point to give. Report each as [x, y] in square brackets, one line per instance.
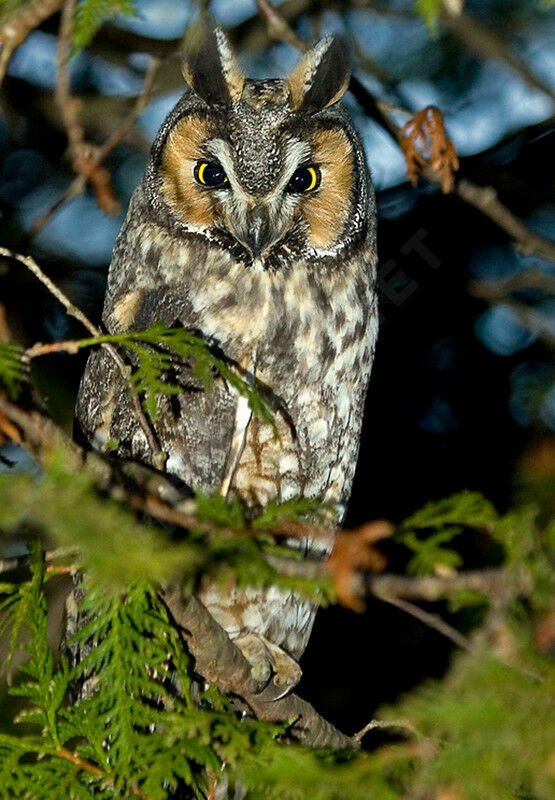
[72, 310]
[536, 321]
[222, 663]
[97, 157]
[88, 766]
[527, 279]
[69, 105]
[488, 44]
[485, 199]
[278, 28]
[80, 151]
[18, 27]
[430, 588]
[384, 724]
[431, 620]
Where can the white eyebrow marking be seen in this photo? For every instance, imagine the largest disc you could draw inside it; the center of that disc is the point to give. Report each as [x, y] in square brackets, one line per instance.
[221, 151]
[296, 152]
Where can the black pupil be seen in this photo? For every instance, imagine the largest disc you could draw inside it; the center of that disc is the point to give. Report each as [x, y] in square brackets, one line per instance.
[300, 181]
[213, 175]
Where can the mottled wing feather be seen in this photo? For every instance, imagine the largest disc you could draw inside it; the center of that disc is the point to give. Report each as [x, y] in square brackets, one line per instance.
[194, 428]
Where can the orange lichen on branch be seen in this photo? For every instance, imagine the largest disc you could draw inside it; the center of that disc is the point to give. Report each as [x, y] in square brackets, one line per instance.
[353, 552]
[424, 140]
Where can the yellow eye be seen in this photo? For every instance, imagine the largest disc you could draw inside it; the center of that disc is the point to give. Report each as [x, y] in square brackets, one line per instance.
[305, 179]
[210, 174]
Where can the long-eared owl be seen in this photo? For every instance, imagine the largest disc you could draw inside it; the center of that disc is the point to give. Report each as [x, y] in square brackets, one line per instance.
[254, 225]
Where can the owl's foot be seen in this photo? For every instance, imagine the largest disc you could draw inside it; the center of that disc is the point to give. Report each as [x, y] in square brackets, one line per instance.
[269, 663]
[256, 653]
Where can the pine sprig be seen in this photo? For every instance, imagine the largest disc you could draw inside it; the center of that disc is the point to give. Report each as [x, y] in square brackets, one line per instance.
[117, 550]
[23, 608]
[149, 376]
[137, 730]
[293, 510]
[90, 15]
[12, 369]
[429, 10]
[435, 525]
[42, 688]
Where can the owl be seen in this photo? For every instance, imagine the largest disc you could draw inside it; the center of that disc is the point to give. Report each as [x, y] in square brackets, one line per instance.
[255, 226]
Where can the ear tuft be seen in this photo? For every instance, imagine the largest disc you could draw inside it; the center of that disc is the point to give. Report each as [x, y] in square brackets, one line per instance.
[211, 69]
[321, 77]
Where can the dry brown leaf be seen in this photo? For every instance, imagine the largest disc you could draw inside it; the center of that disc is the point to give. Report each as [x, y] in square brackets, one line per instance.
[353, 552]
[424, 140]
[99, 178]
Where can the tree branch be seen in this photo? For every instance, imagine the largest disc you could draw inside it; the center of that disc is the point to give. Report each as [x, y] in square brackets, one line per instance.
[430, 588]
[527, 279]
[222, 663]
[485, 199]
[488, 44]
[431, 620]
[97, 157]
[88, 766]
[19, 25]
[80, 151]
[536, 321]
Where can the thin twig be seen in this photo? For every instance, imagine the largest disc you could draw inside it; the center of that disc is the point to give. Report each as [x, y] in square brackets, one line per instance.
[383, 724]
[18, 562]
[438, 624]
[431, 620]
[139, 105]
[69, 105]
[158, 458]
[70, 346]
[430, 588]
[488, 44]
[72, 310]
[88, 766]
[80, 151]
[538, 322]
[485, 199]
[527, 279]
[78, 184]
[278, 27]
[221, 662]
[82, 763]
[61, 569]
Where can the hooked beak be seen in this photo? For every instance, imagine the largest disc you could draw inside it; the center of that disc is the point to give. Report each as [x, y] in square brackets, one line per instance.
[258, 230]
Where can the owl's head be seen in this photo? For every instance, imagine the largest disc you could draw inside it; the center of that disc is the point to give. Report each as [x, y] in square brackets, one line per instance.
[272, 170]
